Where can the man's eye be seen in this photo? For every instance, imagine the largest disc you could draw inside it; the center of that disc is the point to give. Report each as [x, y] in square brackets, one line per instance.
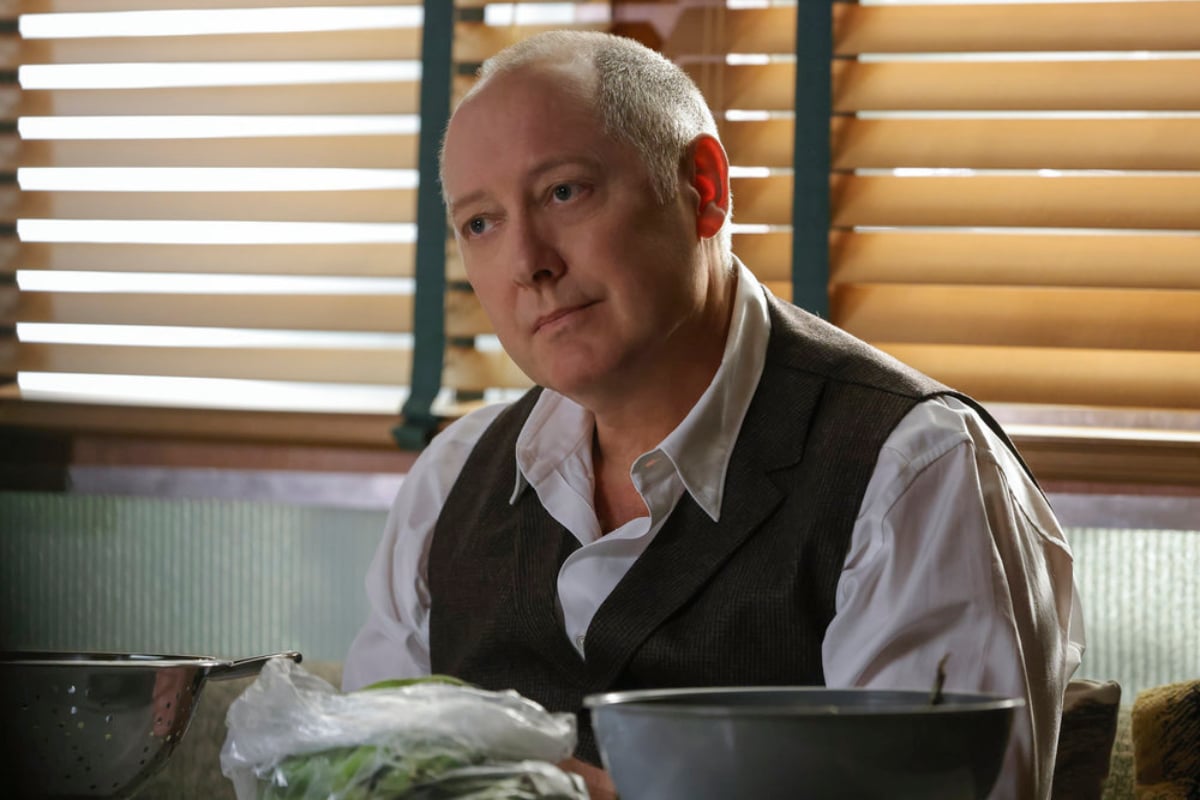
[477, 225]
[564, 192]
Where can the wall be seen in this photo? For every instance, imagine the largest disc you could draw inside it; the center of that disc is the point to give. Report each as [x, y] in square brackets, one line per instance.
[235, 578]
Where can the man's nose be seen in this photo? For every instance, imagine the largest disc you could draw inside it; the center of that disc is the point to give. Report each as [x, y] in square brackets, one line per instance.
[535, 258]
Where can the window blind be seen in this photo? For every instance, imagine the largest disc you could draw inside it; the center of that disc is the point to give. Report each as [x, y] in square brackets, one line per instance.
[1016, 196]
[214, 202]
[213, 207]
[1014, 192]
[1013, 197]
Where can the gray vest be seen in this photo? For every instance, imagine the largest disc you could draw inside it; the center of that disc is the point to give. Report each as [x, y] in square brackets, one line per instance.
[742, 601]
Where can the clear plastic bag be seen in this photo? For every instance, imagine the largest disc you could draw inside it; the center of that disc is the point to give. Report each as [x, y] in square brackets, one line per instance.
[293, 736]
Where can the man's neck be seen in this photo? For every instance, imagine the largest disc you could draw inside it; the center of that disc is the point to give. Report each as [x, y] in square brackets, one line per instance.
[615, 499]
[647, 408]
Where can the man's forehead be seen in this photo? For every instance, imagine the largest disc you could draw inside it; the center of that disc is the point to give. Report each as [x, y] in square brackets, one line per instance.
[517, 118]
[548, 84]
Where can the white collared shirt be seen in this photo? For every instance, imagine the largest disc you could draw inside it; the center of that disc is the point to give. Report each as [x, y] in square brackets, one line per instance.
[954, 549]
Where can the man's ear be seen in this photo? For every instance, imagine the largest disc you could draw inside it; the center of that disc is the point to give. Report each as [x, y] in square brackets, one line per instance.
[710, 178]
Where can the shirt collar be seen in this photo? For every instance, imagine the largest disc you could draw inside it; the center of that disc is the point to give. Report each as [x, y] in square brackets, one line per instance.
[700, 446]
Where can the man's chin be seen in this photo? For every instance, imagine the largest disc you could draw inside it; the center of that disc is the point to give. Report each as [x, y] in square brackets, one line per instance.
[577, 384]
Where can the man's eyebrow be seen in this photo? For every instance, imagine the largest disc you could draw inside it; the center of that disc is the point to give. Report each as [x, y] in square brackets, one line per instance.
[454, 203]
[549, 164]
[537, 170]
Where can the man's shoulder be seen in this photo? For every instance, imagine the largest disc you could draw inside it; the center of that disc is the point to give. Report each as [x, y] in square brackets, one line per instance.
[469, 427]
[804, 342]
[499, 423]
[472, 425]
[449, 449]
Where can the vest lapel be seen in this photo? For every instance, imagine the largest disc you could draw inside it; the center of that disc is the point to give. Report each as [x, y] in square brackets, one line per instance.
[541, 547]
[690, 548]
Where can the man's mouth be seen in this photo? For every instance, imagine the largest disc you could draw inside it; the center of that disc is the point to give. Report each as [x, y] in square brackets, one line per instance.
[556, 315]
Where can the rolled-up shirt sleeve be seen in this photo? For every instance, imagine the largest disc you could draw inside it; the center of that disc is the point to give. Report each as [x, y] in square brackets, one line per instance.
[394, 641]
[956, 553]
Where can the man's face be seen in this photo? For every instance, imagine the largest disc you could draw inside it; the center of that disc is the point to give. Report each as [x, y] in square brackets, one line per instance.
[588, 280]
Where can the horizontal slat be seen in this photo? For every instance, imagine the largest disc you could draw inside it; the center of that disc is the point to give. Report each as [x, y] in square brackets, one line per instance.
[383, 44]
[1097, 201]
[1135, 144]
[8, 357]
[1001, 27]
[759, 143]
[464, 315]
[475, 42]
[211, 424]
[762, 201]
[62, 6]
[1132, 319]
[9, 248]
[1167, 85]
[768, 255]
[715, 30]
[466, 369]
[472, 370]
[1133, 261]
[75, 6]
[781, 289]
[1152, 85]
[1130, 378]
[392, 260]
[386, 313]
[391, 367]
[322, 98]
[10, 48]
[10, 102]
[348, 152]
[11, 149]
[384, 205]
[946, 28]
[1146, 261]
[770, 87]
[483, 3]
[455, 271]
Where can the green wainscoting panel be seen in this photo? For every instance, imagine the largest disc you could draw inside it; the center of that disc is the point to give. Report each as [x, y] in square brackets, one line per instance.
[233, 579]
[225, 578]
[1141, 598]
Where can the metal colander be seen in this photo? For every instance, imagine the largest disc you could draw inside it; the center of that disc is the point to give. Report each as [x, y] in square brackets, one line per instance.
[99, 724]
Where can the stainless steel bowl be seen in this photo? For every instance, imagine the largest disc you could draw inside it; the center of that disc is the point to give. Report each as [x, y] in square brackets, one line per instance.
[98, 724]
[785, 743]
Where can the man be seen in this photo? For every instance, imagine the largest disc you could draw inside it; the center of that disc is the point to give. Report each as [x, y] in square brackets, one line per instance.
[712, 487]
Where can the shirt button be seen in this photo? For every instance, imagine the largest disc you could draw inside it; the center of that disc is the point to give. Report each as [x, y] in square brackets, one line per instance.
[579, 641]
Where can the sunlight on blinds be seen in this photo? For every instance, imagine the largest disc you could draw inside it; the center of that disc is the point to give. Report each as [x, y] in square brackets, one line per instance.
[216, 208]
[192, 22]
[1017, 195]
[541, 14]
[230, 139]
[1015, 186]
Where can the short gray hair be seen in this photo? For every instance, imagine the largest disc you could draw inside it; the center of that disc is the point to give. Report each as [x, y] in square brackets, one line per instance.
[641, 96]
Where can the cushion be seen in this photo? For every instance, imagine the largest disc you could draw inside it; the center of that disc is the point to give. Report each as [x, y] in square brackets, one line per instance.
[1085, 739]
[1119, 785]
[1166, 742]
